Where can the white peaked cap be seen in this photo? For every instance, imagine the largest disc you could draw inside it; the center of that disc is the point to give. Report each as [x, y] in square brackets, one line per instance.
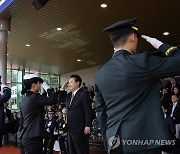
[30, 76]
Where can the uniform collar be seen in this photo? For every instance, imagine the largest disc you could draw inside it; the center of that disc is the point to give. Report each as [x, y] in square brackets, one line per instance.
[118, 52]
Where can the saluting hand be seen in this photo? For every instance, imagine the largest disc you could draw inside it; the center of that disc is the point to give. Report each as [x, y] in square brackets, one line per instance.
[153, 41]
[45, 86]
[87, 130]
[65, 86]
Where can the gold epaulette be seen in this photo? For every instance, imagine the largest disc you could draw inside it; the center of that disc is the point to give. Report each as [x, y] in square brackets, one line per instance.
[169, 50]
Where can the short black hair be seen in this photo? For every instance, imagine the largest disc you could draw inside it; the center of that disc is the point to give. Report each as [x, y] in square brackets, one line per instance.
[77, 78]
[175, 95]
[121, 39]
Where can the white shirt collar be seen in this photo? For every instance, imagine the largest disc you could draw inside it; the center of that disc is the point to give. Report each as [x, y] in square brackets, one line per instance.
[121, 49]
[175, 103]
[74, 93]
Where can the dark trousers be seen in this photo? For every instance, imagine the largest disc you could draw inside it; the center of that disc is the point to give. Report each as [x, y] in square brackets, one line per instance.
[49, 144]
[78, 143]
[62, 146]
[6, 138]
[31, 145]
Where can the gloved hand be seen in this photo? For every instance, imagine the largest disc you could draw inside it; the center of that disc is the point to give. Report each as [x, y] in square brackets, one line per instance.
[45, 86]
[153, 41]
[3, 86]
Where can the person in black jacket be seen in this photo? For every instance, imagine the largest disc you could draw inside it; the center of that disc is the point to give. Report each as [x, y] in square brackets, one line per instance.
[31, 121]
[79, 115]
[3, 98]
[15, 127]
[7, 125]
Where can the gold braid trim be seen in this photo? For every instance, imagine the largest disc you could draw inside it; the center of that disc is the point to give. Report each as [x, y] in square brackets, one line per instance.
[167, 53]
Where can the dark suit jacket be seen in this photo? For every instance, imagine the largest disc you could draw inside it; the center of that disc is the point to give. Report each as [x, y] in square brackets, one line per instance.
[80, 114]
[176, 113]
[128, 98]
[32, 119]
[8, 125]
[3, 98]
[8, 114]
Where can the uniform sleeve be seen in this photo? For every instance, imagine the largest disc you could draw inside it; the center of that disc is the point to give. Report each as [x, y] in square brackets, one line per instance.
[62, 96]
[44, 100]
[101, 113]
[6, 95]
[87, 109]
[159, 67]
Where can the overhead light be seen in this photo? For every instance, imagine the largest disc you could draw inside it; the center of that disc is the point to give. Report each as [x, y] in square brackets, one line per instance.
[79, 60]
[104, 5]
[166, 33]
[7, 54]
[27, 45]
[59, 28]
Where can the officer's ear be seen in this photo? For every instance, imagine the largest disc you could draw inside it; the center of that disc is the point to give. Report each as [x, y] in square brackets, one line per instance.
[132, 37]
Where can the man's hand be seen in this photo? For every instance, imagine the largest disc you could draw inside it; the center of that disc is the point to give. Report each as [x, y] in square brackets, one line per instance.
[65, 86]
[87, 130]
[153, 41]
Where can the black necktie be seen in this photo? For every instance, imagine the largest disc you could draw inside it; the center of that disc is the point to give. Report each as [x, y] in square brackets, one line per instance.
[70, 103]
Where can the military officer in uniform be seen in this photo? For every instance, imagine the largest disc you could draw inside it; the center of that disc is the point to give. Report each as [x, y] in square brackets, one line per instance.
[4, 97]
[61, 131]
[127, 91]
[32, 123]
[50, 138]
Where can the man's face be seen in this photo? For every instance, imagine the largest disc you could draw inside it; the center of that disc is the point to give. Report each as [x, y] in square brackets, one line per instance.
[73, 85]
[174, 98]
[5, 105]
[60, 114]
[176, 90]
[173, 81]
[14, 114]
[50, 115]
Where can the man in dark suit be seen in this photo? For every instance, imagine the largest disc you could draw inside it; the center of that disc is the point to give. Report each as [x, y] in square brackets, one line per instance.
[174, 109]
[78, 115]
[174, 84]
[127, 91]
[32, 108]
[7, 125]
[3, 98]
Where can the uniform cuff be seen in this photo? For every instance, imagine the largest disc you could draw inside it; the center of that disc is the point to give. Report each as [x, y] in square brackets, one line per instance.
[167, 49]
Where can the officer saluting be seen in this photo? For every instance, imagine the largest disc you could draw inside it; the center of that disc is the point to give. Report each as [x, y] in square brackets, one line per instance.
[32, 107]
[127, 91]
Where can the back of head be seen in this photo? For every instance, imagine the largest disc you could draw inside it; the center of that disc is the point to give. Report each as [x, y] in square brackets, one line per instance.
[120, 31]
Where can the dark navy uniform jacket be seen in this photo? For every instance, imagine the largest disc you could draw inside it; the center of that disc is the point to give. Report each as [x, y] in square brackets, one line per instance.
[61, 126]
[50, 126]
[128, 98]
[32, 107]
